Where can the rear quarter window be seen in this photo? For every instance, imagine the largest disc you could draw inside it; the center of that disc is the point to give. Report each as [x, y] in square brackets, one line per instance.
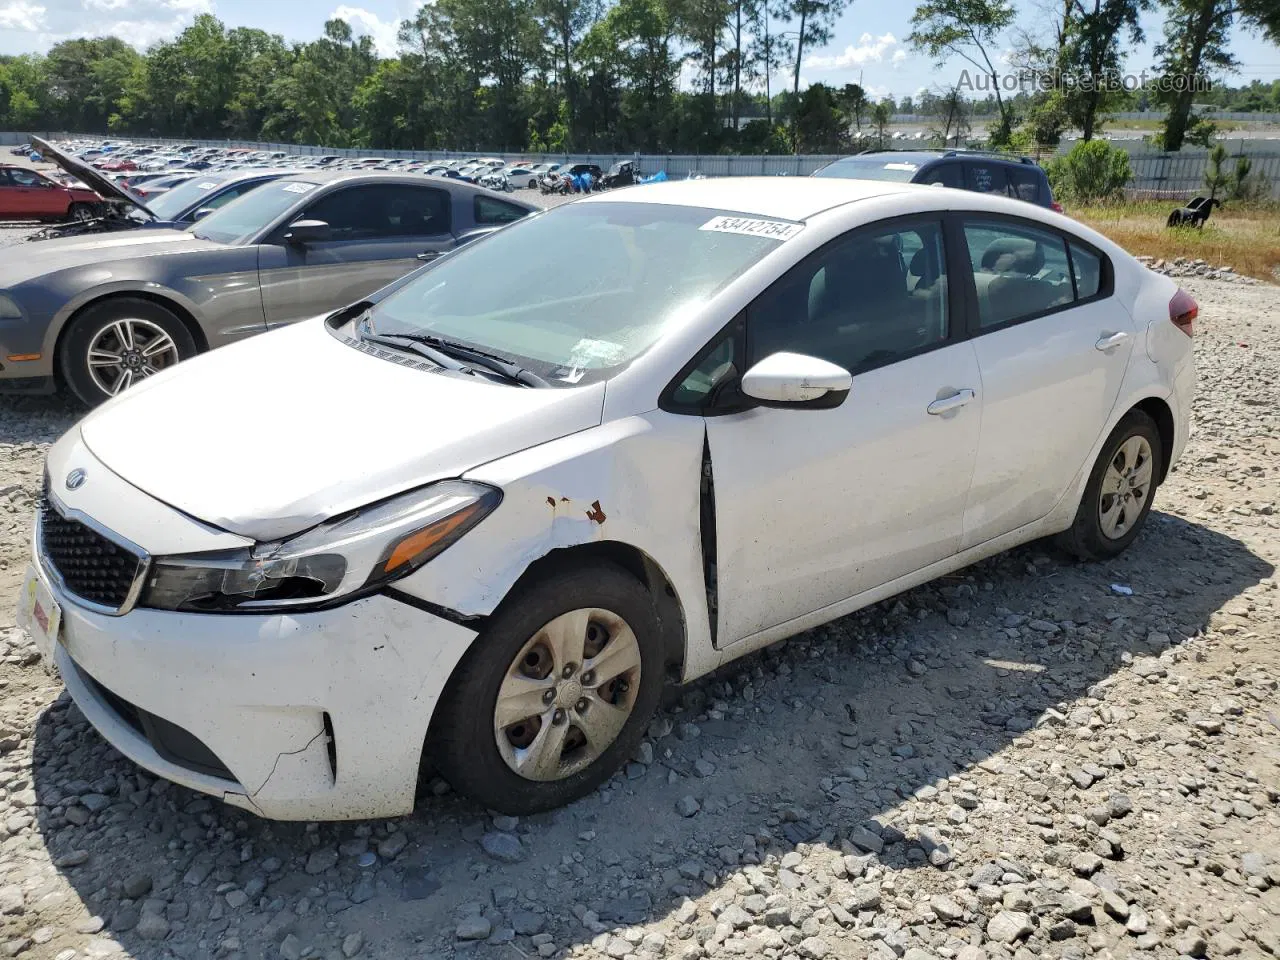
[1024, 184]
[490, 211]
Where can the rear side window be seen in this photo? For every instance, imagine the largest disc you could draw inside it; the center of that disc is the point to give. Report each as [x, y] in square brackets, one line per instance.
[947, 174]
[1019, 271]
[1024, 185]
[1087, 268]
[25, 178]
[490, 211]
[986, 177]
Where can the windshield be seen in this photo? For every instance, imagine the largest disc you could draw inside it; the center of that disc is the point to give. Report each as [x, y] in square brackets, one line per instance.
[882, 169]
[620, 275]
[245, 216]
[171, 204]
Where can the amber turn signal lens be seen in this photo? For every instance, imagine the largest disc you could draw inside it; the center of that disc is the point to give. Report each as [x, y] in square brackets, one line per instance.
[419, 547]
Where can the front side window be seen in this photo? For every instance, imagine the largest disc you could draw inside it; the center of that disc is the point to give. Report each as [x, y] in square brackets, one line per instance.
[872, 297]
[377, 211]
[26, 178]
[947, 174]
[624, 275]
[1019, 271]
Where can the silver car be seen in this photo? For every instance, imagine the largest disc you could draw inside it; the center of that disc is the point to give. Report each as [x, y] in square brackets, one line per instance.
[98, 313]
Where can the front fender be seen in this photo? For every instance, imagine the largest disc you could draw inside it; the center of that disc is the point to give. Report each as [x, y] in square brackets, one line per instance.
[634, 481]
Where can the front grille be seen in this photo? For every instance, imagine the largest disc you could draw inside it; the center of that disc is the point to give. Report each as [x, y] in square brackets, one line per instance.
[89, 565]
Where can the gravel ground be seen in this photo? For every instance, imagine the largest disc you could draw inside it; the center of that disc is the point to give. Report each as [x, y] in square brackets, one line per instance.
[1034, 757]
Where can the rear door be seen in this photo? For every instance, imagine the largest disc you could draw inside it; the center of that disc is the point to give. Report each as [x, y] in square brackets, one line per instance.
[379, 233]
[1053, 345]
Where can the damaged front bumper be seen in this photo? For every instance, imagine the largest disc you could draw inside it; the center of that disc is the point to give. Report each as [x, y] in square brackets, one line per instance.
[294, 717]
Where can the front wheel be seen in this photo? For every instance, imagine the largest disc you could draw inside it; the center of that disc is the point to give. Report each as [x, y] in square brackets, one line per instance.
[555, 695]
[80, 212]
[119, 342]
[1118, 496]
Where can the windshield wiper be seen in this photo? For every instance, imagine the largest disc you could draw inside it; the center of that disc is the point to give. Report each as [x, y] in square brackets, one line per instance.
[451, 349]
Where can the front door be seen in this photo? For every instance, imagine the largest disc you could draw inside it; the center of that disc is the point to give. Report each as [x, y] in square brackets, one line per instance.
[379, 233]
[1053, 345]
[36, 196]
[815, 506]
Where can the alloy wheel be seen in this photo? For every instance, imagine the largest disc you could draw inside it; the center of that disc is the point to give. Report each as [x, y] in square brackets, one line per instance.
[128, 350]
[1126, 486]
[567, 694]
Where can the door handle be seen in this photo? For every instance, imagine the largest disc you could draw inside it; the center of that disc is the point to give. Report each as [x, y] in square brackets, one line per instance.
[428, 255]
[1111, 342]
[956, 400]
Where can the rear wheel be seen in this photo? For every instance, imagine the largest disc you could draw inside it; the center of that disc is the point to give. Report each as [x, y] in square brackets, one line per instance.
[555, 695]
[1118, 496]
[119, 342]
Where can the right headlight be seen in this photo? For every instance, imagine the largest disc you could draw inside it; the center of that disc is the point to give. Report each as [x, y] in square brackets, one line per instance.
[9, 308]
[338, 560]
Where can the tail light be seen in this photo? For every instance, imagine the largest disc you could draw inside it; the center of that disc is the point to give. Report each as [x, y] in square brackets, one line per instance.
[1057, 207]
[1183, 310]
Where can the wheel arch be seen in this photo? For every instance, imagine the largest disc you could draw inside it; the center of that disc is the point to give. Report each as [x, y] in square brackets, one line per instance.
[628, 557]
[1159, 411]
[169, 303]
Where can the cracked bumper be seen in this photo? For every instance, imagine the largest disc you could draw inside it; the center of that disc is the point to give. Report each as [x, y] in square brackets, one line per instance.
[256, 691]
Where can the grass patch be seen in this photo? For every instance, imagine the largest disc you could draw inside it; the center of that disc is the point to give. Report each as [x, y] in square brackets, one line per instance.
[1245, 238]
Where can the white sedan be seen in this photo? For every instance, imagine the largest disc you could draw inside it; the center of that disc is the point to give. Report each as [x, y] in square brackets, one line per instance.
[494, 509]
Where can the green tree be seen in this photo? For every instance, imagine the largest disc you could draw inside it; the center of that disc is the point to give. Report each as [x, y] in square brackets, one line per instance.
[1194, 47]
[817, 125]
[881, 115]
[970, 29]
[1093, 171]
[1215, 178]
[1091, 56]
[815, 20]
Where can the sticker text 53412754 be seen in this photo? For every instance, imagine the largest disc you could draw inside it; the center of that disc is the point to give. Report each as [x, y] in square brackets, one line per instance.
[754, 227]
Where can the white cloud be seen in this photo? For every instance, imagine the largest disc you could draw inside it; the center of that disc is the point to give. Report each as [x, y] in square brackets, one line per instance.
[27, 26]
[869, 50]
[21, 15]
[381, 32]
[898, 56]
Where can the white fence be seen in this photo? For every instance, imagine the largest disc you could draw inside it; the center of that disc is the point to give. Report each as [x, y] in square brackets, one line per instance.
[1154, 172]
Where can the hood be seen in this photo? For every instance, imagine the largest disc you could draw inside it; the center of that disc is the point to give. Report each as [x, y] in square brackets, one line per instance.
[61, 253]
[87, 175]
[272, 435]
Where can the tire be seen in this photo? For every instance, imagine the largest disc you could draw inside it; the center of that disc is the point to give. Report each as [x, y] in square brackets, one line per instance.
[465, 739]
[104, 329]
[1089, 537]
[533, 184]
[80, 211]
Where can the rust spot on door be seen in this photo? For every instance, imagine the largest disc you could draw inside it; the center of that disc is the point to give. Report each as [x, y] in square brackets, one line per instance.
[595, 513]
[552, 502]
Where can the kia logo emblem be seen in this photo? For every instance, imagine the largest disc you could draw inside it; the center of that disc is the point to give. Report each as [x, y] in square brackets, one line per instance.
[75, 479]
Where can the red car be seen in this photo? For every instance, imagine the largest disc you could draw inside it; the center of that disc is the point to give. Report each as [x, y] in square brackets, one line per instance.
[27, 195]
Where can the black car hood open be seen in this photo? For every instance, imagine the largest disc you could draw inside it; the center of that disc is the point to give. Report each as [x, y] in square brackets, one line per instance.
[89, 176]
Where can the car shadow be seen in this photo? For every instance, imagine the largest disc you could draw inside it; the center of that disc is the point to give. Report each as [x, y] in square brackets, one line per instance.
[37, 419]
[809, 746]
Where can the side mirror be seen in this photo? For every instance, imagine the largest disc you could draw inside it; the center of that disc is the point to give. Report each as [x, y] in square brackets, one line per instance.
[303, 232]
[796, 380]
[202, 213]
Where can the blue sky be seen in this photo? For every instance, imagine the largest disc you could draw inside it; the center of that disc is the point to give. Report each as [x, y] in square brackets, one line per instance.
[869, 44]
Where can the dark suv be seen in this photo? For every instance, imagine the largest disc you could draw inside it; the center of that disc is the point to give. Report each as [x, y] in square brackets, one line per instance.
[1017, 177]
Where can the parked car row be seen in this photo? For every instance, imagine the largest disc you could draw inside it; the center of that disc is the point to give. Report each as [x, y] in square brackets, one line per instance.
[497, 477]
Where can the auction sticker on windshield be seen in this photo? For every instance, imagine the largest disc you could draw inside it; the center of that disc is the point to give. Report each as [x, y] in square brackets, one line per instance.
[299, 187]
[752, 227]
[39, 614]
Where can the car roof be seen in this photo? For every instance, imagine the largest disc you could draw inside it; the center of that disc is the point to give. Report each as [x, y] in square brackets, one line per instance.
[785, 198]
[922, 157]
